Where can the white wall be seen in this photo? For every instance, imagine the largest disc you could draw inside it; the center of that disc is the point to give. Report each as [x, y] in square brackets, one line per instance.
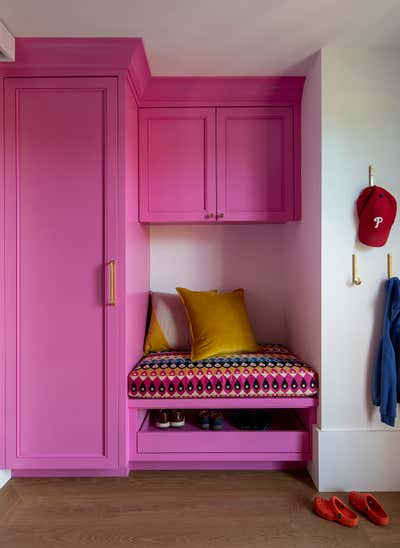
[225, 257]
[360, 126]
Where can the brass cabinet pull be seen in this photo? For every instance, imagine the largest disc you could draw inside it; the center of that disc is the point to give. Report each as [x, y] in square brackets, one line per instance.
[111, 274]
[209, 216]
[220, 215]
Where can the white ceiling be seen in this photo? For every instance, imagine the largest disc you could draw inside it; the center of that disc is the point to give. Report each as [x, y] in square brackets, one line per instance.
[210, 37]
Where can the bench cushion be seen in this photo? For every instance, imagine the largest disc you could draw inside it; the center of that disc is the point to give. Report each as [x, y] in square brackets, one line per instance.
[272, 372]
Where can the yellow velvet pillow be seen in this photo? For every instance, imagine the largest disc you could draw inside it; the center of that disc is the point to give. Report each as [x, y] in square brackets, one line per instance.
[219, 323]
[169, 326]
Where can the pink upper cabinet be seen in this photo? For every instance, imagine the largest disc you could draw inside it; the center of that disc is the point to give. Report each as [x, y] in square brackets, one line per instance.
[177, 165]
[252, 180]
[60, 232]
[255, 164]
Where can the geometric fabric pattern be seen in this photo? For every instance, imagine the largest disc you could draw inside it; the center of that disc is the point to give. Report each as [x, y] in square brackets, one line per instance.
[272, 372]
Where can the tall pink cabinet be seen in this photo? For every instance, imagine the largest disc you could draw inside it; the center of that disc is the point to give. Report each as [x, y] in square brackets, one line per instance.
[67, 179]
[61, 235]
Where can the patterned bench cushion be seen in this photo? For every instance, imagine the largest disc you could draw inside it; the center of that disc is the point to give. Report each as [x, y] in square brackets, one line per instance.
[272, 372]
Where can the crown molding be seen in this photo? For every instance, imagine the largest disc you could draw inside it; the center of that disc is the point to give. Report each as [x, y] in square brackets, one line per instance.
[223, 90]
[127, 56]
[46, 55]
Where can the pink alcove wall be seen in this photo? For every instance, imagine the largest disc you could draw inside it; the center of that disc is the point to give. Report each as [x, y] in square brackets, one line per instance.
[137, 267]
[225, 257]
[302, 240]
[137, 244]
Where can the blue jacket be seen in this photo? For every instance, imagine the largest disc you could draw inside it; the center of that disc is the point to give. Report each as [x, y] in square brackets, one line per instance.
[386, 381]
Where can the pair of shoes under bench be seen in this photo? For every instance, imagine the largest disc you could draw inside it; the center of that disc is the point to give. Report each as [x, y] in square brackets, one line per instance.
[251, 419]
[213, 420]
[165, 419]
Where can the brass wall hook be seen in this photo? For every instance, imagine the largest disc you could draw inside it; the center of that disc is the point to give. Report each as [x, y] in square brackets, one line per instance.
[390, 265]
[356, 279]
[370, 176]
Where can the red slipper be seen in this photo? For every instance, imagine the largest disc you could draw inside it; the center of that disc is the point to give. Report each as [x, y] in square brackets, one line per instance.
[335, 509]
[370, 506]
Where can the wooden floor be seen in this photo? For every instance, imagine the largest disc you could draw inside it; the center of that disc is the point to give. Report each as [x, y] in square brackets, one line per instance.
[180, 509]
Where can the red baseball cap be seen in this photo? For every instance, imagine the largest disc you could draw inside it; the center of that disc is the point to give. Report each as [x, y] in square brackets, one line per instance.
[377, 210]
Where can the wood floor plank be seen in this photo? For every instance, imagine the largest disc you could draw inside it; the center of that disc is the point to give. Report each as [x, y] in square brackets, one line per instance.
[180, 509]
[9, 501]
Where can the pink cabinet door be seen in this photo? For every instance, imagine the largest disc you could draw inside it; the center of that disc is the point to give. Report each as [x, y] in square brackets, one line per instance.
[60, 233]
[177, 165]
[2, 317]
[255, 169]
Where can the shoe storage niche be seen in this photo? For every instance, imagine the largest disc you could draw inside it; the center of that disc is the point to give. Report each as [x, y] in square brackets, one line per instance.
[258, 435]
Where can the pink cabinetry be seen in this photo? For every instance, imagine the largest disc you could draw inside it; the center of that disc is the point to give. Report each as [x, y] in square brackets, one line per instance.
[69, 163]
[255, 164]
[246, 174]
[287, 440]
[177, 165]
[2, 311]
[60, 234]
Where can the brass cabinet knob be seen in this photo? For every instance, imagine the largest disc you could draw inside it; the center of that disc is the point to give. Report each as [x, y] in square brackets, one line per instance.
[220, 215]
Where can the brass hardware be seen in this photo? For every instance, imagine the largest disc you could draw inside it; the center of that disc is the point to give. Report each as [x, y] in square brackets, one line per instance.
[220, 215]
[112, 279]
[370, 176]
[212, 215]
[390, 266]
[356, 278]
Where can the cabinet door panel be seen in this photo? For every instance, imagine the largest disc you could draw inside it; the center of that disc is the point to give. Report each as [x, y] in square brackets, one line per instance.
[177, 164]
[255, 164]
[60, 233]
[2, 311]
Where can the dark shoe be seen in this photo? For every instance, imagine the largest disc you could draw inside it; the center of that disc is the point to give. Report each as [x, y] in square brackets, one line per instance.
[260, 420]
[162, 419]
[241, 420]
[251, 419]
[204, 419]
[217, 420]
[177, 418]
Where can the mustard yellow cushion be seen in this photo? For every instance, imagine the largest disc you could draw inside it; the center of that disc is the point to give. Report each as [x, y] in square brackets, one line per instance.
[219, 323]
